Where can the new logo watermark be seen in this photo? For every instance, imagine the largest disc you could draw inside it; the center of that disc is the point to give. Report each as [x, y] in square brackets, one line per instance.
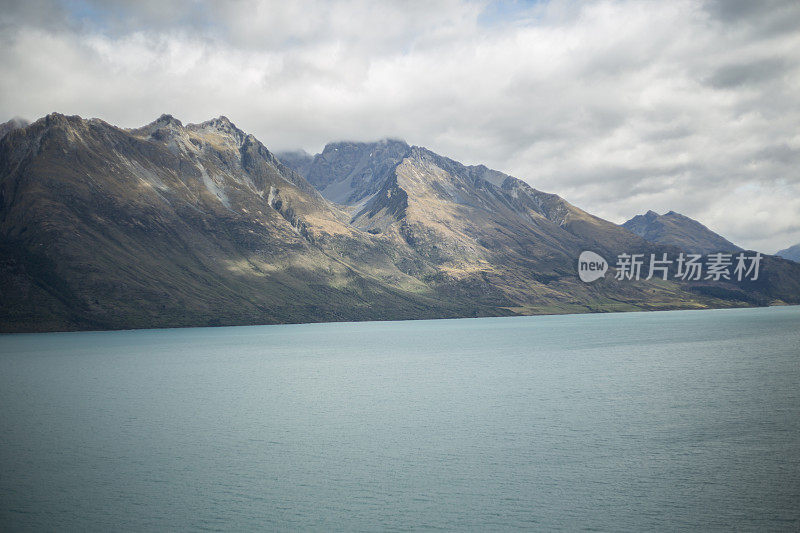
[686, 267]
[591, 266]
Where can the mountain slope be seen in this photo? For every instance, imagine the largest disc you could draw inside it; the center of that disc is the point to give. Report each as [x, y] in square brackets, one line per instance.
[352, 174]
[678, 230]
[169, 225]
[349, 172]
[791, 253]
[200, 224]
[508, 242]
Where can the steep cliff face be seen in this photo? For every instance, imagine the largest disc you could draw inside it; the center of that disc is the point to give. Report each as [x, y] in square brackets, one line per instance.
[348, 173]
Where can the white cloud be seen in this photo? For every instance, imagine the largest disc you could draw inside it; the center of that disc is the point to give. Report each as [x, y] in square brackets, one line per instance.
[619, 106]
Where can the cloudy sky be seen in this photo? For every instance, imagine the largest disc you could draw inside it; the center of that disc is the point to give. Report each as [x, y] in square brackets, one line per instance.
[618, 106]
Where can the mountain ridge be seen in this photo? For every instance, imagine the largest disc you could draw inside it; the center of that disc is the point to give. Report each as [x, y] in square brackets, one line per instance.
[393, 207]
[227, 222]
[792, 253]
[172, 225]
[676, 229]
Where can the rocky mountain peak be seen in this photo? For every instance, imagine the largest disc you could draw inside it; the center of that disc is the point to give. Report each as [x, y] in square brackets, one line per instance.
[221, 126]
[354, 154]
[165, 126]
[167, 120]
[59, 119]
[221, 123]
[336, 146]
[347, 172]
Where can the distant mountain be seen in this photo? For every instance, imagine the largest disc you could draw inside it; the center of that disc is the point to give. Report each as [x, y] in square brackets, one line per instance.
[362, 176]
[200, 224]
[479, 226]
[791, 253]
[348, 172]
[678, 230]
[300, 160]
[13, 124]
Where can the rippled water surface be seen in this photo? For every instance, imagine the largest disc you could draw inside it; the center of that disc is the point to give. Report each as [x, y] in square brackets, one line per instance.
[683, 420]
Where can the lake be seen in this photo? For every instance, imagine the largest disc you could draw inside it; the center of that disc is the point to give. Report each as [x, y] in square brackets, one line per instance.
[681, 420]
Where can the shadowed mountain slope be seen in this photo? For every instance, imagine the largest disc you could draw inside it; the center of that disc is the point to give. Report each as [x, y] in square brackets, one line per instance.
[678, 230]
[791, 253]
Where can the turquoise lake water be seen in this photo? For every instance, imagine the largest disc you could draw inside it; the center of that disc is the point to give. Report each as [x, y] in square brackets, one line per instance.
[682, 420]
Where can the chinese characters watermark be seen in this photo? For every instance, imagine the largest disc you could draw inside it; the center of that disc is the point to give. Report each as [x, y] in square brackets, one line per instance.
[685, 267]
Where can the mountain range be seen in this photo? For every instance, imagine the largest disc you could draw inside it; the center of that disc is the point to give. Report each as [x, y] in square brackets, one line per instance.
[173, 225]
